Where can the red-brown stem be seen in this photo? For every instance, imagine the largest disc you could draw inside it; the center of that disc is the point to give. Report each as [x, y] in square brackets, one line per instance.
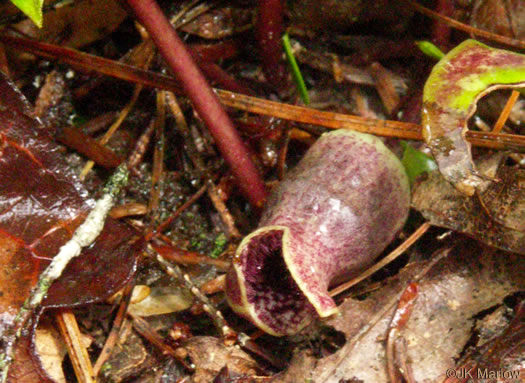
[370, 50]
[91, 148]
[216, 74]
[204, 100]
[205, 59]
[269, 32]
[440, 30]
[215, 52]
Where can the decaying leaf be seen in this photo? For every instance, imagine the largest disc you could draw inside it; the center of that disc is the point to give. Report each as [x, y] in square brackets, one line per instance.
[220, 23]
[496, 217]
[465, 74]
[41, 204]
[78, 25]
[162, 301]
[210, 355]
[128, 359]
[501, 357]
[51, 349]
[26, 368]
[456, 289]
[503, 17]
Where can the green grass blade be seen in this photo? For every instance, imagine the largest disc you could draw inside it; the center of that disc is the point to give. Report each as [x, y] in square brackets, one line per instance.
[430, 49]
[296, 73]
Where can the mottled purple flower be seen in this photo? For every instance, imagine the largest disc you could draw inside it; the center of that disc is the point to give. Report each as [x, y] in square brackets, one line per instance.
[335, 212]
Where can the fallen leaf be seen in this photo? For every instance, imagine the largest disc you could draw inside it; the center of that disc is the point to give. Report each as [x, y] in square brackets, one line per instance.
[26, 368]
[51, 349]
[41, 204]
[210, 355]
[162, 301]
[470, 280]
[220, 23]
[496, 217]
[502, 17]
[128, 359]
[78, 25]
[502, 356]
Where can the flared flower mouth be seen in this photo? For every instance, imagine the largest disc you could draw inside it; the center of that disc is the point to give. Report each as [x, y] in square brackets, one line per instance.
[327, 220]
[261, 287]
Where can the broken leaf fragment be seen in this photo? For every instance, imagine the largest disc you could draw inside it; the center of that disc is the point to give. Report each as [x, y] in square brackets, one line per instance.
[496, 218]
[455, 84]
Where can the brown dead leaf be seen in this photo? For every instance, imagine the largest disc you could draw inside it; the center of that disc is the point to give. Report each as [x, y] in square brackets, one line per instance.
[41, 204]
[210, 355]
[496, 218]
[503, 17]
[27, 369]
[502, 356]
[75, 26]
[51, 349]
[470, 280]
[220, 23]
[129, 358]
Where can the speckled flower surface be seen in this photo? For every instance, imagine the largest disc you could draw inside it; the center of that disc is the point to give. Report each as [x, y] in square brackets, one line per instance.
[330, 218]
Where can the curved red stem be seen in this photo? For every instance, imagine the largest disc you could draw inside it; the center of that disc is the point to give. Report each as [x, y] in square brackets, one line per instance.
[269, 32]
[203, 98]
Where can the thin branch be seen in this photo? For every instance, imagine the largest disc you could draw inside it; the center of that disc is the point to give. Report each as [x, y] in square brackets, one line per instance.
[387, 128]
[198, 162]
[78, 354]
[157, 174]
[215, 315]
[164, 224]
[113, 128]
[385, 261]
[143, 328]
[504, 115]
[113, 335]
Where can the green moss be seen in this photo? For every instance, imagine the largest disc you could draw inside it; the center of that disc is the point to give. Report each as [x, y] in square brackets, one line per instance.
[219, 245]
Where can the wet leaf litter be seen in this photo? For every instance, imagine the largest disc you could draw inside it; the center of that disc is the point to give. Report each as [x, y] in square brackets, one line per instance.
[462, 277]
